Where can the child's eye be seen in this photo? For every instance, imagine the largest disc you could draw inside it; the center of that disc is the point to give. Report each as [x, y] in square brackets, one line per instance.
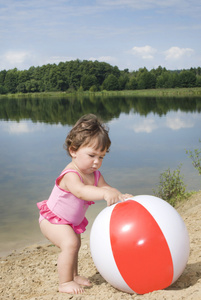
[91, 155]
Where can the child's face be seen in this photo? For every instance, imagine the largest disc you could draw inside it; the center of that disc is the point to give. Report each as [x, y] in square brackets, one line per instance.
[88, 159]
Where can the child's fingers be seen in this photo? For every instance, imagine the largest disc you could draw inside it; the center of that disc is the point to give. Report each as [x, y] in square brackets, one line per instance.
[124, 197]
[128, 196]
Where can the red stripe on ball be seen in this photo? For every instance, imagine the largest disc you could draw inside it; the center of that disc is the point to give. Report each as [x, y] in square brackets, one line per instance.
[139, 248]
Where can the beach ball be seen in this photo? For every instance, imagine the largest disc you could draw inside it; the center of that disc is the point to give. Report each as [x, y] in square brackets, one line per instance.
[139, 245]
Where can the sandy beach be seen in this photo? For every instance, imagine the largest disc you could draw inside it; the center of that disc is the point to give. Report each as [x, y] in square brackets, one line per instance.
[31, 274]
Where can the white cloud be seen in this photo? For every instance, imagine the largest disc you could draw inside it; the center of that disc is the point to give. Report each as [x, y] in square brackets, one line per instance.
[58, 59]
[147, 125]
[177, 53]
[146, 52]
[176, 123]
[173, 121]
[24, 127]
[25, 59]
[18, 128]
[108, 59]
[16, 58]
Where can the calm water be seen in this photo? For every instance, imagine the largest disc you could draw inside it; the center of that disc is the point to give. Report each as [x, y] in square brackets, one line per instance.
[148, 136]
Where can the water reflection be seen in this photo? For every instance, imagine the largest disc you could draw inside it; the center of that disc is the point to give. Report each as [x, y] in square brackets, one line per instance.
[174, 121]
[148, 136]
[69, 110]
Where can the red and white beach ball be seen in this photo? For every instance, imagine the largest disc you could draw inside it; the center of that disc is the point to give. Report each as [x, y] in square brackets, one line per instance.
[140, 245]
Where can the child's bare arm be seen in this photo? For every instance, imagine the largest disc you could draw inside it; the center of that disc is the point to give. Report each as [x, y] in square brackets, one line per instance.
[90, 192]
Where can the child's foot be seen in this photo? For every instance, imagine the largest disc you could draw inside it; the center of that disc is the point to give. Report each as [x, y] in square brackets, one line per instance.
[82, 280]
[71, 287]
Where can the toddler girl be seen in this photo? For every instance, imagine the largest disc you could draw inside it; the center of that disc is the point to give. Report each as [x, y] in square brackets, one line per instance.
[62, 216]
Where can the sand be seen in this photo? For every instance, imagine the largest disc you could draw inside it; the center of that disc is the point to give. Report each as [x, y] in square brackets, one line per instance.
[31, 273]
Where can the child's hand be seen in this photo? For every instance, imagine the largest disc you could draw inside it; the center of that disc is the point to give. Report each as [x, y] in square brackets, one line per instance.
[126, 196]
[113, 196]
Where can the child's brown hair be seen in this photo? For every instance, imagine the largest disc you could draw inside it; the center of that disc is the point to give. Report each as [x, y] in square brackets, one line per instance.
[88, 129]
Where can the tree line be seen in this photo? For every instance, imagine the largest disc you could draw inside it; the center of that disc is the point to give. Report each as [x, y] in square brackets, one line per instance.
[77, 75]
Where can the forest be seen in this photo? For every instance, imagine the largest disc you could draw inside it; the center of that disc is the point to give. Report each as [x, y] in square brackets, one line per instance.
[77, 75]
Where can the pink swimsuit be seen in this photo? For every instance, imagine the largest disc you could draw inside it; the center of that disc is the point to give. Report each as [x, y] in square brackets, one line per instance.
[62, 207]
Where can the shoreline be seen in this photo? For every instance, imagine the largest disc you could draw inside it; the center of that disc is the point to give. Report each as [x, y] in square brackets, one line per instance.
[157, 92]
[31, 273]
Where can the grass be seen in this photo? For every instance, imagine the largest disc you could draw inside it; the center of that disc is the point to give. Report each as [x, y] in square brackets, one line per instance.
[177, 92]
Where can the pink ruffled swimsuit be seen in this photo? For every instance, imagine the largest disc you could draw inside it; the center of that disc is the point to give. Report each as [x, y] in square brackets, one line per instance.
[62, 207]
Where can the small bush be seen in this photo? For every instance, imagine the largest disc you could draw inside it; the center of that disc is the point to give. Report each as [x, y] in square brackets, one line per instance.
[195, 155]
[171, 187]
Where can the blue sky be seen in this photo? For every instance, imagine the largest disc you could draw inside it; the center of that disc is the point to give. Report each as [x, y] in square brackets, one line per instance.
[127, 33]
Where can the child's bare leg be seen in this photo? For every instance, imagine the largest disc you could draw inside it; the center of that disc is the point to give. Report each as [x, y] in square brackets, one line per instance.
[65, 238]
[77, 278]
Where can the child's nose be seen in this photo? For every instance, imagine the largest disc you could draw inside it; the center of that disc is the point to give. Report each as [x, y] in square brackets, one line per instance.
[96, 160]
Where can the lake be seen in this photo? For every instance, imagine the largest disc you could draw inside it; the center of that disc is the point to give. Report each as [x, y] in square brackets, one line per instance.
[149, 135]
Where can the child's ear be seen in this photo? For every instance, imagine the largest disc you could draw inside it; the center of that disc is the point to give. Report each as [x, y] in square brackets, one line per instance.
[72, 152]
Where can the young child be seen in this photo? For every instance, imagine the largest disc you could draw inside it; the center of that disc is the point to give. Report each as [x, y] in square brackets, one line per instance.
[62, 216]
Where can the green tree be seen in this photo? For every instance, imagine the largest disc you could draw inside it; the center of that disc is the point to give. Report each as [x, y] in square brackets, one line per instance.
[198, 71]
[11, 81]
[62, 78]
[101, 70]
[23, 77]
[38, 74]
[157, 72]
[88, 81]
[115, 71]
[111, 83]
[21, 88]
[32, 86]
[187, 79]
[164, 80]
[132, 83]
[198, 81]
[2, 77]
[74, 73]
[146, 80]
[175, 80]
[3, 90]
[51, 78]
[123, 80]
